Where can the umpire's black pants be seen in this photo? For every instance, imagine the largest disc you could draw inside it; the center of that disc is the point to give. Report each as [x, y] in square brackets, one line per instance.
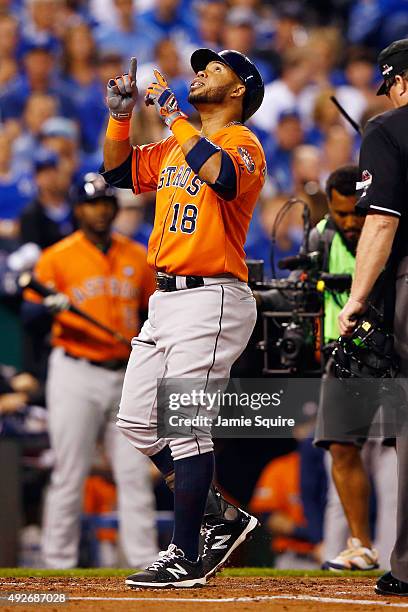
[399, 557]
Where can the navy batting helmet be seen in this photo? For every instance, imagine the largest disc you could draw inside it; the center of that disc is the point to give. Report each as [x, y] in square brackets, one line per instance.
[245, 70]
[93, 187]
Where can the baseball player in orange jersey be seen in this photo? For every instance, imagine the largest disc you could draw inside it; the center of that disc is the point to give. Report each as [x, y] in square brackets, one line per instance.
[106, 275]
[203, 312]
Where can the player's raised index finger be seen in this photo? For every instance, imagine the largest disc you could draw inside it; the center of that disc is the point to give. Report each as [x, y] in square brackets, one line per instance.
[133, 69]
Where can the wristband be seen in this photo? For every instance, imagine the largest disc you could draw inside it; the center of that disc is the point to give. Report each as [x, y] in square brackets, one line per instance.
[183, 130]
[201, 151]
[118, 130]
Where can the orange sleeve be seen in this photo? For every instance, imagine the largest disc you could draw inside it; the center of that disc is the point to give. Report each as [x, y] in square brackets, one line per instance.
[267, 495]
[45, 272]
[146, 161]
[248, 158]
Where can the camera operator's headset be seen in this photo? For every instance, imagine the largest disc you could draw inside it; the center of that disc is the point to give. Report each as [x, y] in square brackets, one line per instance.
[324, 242]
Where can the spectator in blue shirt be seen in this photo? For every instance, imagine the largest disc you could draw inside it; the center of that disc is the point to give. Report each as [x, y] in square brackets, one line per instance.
[49, 217]
[325, 116]
[324, 47]
[209, 24]
[240, 34]
[39, 76]
[38, 109]
[169, 18]
[377, 23]
[80, 73]
[167, 57]
[16, 190]
[61, 136]
[288, 30]
[279, 148]
[131, 35]
[39, 23]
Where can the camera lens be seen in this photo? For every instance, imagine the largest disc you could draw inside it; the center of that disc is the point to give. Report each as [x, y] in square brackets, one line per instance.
[289, 346]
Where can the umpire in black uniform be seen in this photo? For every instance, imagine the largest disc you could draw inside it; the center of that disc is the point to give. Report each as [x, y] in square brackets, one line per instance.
[384, 199]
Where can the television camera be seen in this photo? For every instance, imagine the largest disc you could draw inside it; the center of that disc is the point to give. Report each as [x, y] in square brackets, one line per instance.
[292, 309]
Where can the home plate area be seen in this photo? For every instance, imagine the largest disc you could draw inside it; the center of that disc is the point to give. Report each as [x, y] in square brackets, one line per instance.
[226, 592]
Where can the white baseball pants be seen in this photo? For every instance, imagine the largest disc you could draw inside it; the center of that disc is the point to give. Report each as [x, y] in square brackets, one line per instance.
[82, 400]
[191, 333]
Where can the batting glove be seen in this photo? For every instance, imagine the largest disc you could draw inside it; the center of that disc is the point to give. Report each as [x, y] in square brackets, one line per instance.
[56, 303]
[159, 94]
[122, 93]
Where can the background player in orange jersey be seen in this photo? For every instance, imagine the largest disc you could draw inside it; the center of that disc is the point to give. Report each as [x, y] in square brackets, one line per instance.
[106, 275]
[203, 313]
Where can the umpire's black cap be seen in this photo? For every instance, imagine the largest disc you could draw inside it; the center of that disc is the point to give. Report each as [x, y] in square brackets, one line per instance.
[392, 61]
[91, 188]
[245, 70]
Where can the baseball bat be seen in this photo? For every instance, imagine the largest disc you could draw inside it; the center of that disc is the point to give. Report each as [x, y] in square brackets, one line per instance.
[345, 114]
[28, 281]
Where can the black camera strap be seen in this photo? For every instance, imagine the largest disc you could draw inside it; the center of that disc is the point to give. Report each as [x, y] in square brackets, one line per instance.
[326, 239]
[322, 241]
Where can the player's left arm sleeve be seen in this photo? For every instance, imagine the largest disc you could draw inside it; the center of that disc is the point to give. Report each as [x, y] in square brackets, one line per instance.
[226, 183]
[381, 186]
[248, 160]
[120, 176]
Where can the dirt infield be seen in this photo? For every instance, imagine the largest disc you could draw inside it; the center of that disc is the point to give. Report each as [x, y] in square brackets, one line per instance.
[229, 594]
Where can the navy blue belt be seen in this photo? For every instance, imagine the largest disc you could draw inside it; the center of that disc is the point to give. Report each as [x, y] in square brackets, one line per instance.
[168, 282]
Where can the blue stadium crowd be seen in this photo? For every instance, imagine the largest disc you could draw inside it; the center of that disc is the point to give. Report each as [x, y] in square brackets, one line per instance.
[56, 57]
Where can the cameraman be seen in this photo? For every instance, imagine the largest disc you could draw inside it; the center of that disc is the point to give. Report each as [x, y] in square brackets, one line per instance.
[383, 163]
[339, 234]
[336, 237]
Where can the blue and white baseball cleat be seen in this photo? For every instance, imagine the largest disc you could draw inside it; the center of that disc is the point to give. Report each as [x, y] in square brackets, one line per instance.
[356, 557]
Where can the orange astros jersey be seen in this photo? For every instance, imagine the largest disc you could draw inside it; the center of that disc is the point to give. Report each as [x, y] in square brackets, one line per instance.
[111, 287]
[195, 231]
